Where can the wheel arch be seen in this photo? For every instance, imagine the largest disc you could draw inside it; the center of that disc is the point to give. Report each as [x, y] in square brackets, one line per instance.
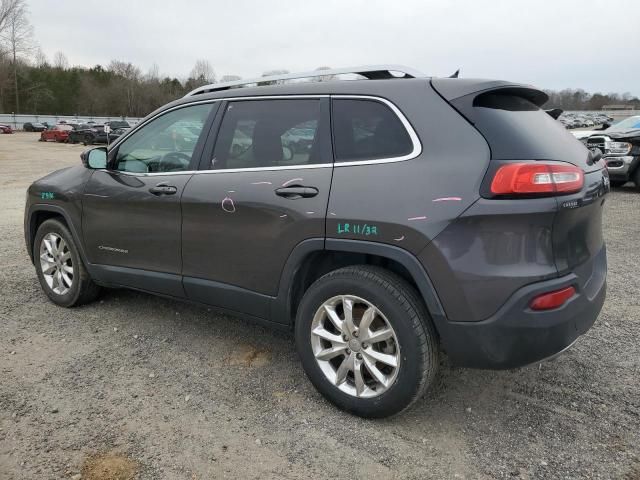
[315, 257]
[38, 214]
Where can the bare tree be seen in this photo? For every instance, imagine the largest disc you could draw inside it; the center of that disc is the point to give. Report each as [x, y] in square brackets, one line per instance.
[130, 79]
[7, 9]
[203, 72]
[153, 74]
[40, 59]
[18, 36]
[60, 61]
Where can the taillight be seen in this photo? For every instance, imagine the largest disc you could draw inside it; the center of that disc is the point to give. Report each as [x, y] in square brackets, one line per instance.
[537, 178]
[551, 300]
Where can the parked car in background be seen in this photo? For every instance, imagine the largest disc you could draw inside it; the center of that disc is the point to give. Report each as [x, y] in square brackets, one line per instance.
[97, 134]
[115, 124]
[33, 127]
[417, 214]
[5, 128]
[576, 123]
[58, 133]
[620, 146]
[78, 133]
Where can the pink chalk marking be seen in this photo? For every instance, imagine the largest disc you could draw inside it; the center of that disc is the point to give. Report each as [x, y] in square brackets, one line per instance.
[447, 199]
[261, 183]
[282, 216]
[228, 205]
[291, 181]
[416, 218]
[399, 239]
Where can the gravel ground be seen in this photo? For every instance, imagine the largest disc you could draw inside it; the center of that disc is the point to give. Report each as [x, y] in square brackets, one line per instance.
[139, 386]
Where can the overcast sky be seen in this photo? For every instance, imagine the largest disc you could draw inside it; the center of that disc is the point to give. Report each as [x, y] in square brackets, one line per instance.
[549, 43]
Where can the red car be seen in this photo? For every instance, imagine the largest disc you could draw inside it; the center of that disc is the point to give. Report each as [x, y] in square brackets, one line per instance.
[59, 133]
[5, 129]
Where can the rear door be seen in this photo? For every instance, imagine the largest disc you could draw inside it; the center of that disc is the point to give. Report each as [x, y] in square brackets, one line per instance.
[263, 189]
[131, 215]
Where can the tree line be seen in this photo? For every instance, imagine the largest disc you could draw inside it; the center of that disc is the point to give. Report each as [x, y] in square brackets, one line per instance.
[578, 99]
[31, 83]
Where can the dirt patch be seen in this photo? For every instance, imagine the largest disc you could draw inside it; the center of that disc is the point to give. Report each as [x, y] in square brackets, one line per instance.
[109, 467]
[248, 356]
[634, 473]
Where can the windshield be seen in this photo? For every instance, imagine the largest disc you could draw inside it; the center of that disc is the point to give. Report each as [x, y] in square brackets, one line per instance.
[626, 124]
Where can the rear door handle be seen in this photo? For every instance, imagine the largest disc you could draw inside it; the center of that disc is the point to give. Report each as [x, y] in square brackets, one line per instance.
[163, 189]
[297, 192]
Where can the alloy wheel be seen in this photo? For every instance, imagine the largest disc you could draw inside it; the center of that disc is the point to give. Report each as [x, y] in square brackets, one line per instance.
[56, 263]
[355, 346]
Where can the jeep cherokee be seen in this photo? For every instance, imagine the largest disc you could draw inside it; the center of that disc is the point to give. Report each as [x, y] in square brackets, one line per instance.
[414, 215]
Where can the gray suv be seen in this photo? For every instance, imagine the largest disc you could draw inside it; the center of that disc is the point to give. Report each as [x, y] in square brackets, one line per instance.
[383, 220]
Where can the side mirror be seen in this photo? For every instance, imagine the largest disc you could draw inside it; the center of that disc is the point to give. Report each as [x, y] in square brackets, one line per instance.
[95, 158]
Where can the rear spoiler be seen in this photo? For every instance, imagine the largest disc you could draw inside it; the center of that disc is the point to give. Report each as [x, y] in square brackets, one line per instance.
[455, 88]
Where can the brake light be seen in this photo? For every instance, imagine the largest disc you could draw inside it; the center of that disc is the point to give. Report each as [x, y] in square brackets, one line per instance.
[537, 178]
[551, 300]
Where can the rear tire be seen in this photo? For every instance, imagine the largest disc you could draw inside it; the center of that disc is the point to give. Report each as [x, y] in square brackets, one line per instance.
[60, 270]
[371, 387]
[618, 183]
[636, 178]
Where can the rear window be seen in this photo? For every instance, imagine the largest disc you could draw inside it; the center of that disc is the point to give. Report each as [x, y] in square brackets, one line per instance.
[517, 129]
[367, 130]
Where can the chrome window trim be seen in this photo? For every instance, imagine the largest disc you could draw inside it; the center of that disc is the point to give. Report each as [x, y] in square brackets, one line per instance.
[415, 140]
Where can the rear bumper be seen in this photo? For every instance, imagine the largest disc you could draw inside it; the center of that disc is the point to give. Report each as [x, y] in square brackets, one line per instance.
[516, 335]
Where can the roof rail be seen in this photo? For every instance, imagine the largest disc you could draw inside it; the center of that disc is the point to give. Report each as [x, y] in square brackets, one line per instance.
[372, 72]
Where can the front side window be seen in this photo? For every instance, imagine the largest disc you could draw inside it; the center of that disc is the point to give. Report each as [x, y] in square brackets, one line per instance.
[165, 144]
[367, 130]
[268, 133]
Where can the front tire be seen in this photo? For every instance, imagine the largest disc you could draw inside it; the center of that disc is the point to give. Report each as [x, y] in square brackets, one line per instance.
[366, 341]
[60, 270]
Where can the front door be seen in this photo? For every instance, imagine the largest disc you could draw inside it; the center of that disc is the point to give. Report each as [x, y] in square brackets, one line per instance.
[131, 217]
[263, 190]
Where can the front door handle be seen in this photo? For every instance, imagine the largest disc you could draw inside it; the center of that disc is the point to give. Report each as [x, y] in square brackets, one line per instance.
[163, 189]
[297, 192]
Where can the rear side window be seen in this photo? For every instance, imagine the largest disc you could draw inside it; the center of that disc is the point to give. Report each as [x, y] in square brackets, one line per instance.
[269, 133]
[517, 129]
[367, 130]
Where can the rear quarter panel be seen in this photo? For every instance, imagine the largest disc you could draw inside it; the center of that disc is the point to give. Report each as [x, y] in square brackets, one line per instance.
[407, 203]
